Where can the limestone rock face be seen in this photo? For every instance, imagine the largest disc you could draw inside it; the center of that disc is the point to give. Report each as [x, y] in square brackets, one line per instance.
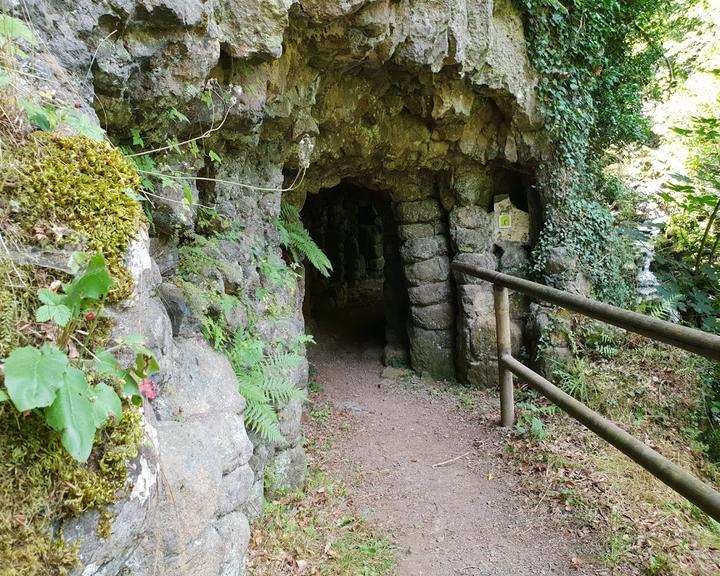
[204, 459]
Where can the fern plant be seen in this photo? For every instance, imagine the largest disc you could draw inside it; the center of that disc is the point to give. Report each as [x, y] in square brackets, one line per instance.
[296, 239]
[265, 383]
[665, 307]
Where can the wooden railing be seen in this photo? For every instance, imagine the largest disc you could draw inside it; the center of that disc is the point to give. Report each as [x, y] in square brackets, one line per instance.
[702, 495]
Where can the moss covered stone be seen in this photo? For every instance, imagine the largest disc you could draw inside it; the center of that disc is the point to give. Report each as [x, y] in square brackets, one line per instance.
[84, 185]
[40, 485]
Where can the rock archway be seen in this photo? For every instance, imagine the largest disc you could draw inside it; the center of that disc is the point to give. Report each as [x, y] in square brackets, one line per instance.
[404, 249]
[442, 136]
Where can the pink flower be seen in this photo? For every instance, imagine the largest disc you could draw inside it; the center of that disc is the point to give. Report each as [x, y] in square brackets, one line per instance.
[147, 387]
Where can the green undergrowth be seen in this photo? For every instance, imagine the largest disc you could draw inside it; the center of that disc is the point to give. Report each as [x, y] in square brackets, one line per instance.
[597, 64]
[658, 394]
[316, 531]
[41, 485]
[263, 364]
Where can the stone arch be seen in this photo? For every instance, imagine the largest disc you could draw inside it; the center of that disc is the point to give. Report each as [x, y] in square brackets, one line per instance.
[443, 142]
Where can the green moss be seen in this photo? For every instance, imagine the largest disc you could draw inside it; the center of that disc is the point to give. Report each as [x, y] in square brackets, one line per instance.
[61, 190]
[40, 485]
[76, 182]
[8, 319]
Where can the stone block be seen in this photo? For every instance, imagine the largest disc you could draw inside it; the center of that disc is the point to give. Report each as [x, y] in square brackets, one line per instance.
[427, 294]
[472, 218]
[409, 231]
[290, 426]
[473, 187]
[287, 470]
[429, 271]
[417, 212]
[482, 260]
[418, 249]
[434, 317]
[471, 241]
[433, 352]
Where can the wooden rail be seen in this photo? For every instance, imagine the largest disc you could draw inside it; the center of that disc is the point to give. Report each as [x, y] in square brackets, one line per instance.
[699, 493]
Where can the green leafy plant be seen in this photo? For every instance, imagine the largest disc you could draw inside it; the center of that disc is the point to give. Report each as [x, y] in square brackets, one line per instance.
[573, 379]
[296, 239]
[45, 378]
[530, 419]
[596, 62]
[12, 32]
[686, 262]
[264, 383]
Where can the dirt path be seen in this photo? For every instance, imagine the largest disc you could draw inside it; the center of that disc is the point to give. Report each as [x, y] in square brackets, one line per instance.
[460, 518]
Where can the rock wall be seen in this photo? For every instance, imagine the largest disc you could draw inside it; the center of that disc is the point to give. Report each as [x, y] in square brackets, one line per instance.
[427, 102]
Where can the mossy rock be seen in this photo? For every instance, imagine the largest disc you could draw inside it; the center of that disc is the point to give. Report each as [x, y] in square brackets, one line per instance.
[84, 185]
[40, 485]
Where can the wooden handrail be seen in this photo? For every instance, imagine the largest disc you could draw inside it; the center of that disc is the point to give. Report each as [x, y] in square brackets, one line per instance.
[696, 341]
[699, 493]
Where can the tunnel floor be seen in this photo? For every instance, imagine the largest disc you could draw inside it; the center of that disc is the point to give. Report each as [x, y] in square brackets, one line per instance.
[460, 518]
[358, 324]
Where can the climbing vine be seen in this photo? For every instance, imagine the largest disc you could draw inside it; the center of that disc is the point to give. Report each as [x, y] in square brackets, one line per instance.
[596, 62]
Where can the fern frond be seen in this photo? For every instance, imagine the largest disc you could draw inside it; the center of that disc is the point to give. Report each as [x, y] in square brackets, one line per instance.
[289, 212]
[284, 361]
[303, 242]
[280, 390]
[245, 351]
[262, 419]
[297, 239]
[251, 386]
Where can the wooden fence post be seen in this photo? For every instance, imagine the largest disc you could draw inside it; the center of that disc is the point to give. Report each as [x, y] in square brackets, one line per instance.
[504, 347]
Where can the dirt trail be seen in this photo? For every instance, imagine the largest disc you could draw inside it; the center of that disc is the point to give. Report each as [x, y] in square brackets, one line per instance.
[460, 518]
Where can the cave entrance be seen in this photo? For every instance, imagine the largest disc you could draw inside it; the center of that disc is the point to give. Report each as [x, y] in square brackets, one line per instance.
[364, 302]
[392, 244]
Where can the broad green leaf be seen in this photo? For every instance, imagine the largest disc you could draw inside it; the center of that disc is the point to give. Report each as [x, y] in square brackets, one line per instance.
[58, 313]
[82, 123]
[49, 297]
[107, 364]
[4, 396]
[151, 365]
[72, 414]
[16, 29]
[132, 390]
[33, 376]
[215, 157]
[106, 403]
[188, 195]
[40, 116]
[131, 340]
[177, 115]
[136, 344]
[92, 285]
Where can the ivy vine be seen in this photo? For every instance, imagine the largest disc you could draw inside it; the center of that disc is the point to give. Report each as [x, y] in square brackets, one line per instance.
[597, 61]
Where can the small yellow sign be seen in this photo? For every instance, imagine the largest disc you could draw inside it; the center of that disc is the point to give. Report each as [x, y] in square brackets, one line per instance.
[505, 221]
